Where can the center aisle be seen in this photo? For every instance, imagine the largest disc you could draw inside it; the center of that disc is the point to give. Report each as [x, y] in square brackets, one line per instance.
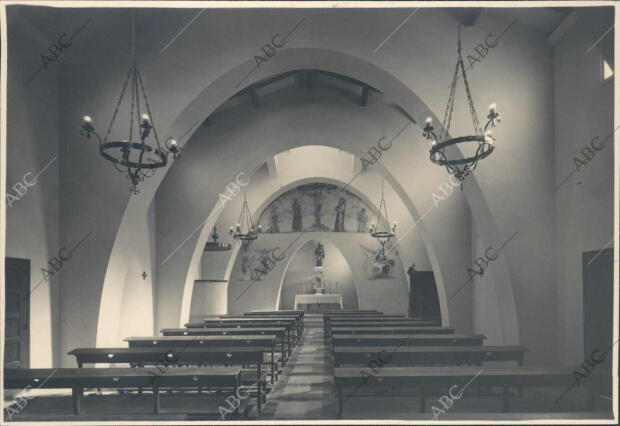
[306, 389]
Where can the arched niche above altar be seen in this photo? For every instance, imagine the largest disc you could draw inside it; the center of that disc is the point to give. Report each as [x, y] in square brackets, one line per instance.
[316, 207]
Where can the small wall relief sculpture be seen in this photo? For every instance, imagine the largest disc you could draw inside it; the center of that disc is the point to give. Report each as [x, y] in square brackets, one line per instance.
[378, 264]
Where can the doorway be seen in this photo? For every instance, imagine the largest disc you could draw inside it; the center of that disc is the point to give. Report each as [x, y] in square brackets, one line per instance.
[423, 298]
[598, 270]
[17, 313]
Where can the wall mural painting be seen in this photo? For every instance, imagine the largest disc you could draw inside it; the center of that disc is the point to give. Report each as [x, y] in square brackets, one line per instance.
[378, 264]
[316, 207]
[257, 263]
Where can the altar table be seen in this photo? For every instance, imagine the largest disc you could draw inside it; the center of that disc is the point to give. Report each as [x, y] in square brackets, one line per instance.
[301, 299]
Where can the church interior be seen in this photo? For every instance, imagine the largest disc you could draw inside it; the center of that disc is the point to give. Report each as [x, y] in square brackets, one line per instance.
[305, 212]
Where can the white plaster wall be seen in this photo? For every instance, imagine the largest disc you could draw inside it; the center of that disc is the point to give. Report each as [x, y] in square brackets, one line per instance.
[484, 304]
[209, 298]
[32, 220]
[136, 311]
[584, 203]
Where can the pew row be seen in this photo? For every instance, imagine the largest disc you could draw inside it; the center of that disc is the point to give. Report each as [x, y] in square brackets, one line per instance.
[175, 342]
[392, 330]
[392, 341]
[427, 355]
[294, 334]
[249, 317]
[284, 313]
[377, 322]
[77, 379]
[426, 379]
[139, 357]
[279, 332]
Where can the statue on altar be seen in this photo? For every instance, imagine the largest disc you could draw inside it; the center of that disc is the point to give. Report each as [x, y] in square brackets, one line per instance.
[319, 255]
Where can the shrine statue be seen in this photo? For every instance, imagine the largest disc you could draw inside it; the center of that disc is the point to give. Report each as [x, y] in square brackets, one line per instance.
[297, 227]
[319, 255]
[340, 214]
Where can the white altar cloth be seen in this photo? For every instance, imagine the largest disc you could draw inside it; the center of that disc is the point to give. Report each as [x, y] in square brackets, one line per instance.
[301, 299]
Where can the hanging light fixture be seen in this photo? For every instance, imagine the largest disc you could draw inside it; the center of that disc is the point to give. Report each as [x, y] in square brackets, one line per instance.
[214, 245]
[381, 230]
[133, 156]
[245, 230]
[485, 143]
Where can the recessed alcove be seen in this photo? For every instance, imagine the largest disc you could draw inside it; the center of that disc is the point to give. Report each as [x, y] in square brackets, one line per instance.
[299, 276]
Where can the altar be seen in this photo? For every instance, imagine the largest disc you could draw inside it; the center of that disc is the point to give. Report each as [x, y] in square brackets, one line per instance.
[306, 299]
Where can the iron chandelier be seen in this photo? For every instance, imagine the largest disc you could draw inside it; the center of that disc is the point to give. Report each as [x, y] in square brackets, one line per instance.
[245, 230]
[381, 230]
[133, 156]
[461, 167]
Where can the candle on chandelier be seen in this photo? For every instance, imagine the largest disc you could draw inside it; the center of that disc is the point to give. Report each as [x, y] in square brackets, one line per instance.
[493, 108]
[88, 119]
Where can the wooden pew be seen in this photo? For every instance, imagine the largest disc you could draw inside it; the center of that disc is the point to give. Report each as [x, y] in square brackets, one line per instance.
[387, 322]
[290, 323]
[140, 357]
[279, 332]
[380, 319]
[391, 330]
[296, 314]
[234, 325]
[369, 317]
[345, 311]
[391, 341]
[79, 378]
[249, 315]
[427, 355]
[173, 342]
[431, 378]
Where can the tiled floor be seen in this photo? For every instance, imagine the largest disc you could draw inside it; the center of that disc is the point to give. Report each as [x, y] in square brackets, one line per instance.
[306, 390]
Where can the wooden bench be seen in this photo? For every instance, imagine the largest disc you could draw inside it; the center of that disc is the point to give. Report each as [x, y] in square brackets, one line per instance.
[234, 321]
[77, 379]
[392, 341]
[378, 324]
[140, 357]
[290, 323]
[425, 379]
[427, 355]
[279, 332]
[268, 314]
[369, 317]
[391, 330]
[174, 342]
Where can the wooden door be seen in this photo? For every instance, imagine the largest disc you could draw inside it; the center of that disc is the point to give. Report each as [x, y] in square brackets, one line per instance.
[423, 299]
[17, 313]
[598, 271]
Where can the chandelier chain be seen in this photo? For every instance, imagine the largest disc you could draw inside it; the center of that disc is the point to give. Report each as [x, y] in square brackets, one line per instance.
[134, 86]
[472, 108]
[133, 96]
[447, 117]
[148, 108]
[447, 120]
[118, 105]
